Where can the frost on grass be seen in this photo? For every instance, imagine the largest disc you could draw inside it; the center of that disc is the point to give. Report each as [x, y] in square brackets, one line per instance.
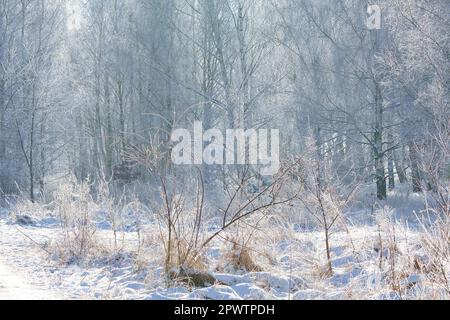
[384, 257]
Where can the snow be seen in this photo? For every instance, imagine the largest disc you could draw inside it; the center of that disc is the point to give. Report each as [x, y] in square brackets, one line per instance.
[15, 287]
[296, 269]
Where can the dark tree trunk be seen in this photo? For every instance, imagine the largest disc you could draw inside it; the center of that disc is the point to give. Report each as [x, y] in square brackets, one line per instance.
[378, 146]
[399, 168]
[415, 171]
[391, 170]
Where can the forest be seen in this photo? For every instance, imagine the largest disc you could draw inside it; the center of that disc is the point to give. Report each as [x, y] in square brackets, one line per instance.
[345, 105]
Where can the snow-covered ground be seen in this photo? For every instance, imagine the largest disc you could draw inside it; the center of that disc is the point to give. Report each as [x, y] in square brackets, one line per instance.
[14, 286]
[291, 259]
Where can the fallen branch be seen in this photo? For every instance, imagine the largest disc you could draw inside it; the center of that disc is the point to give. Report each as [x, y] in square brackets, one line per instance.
[34, 241]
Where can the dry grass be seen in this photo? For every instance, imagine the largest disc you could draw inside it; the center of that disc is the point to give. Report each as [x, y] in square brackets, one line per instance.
[74, 206]
[182, 255]
[238, 256]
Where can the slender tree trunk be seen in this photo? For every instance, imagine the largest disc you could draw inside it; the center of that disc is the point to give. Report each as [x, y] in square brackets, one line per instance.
[109, 148]
[391, 174]
[390, 159]
[121, 115]
[243, 117]
[415, 171]
[378, 146]
[42, 151]
[31, 147]
[399, 168]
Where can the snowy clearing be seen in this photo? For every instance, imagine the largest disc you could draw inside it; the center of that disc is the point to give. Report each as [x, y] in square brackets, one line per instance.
[291, 266]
